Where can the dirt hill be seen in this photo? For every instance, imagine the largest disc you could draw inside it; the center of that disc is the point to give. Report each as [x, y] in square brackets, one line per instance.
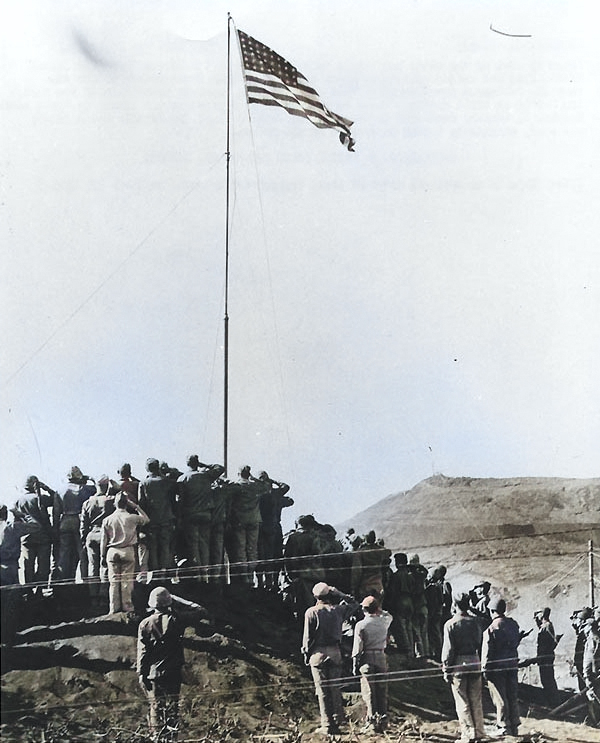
[69, 677]
[74, 681]
[528, 536]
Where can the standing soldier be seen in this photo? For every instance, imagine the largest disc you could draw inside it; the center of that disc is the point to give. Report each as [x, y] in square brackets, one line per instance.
[371, 558]
[591, 666]
[131, 485]
[10, 546]
[546, 644]
[418, 577]
[578, 620]
[157, 498]
[499, 661]
[321, 650]
[271, 502]
[368, 659]
[462, 669]
[67, 514]
[195, 510]
[434, 596]
[222, 490]
[117, 547]
[10, 550]
[172, 475]
[94, 511]
[302, 565]
[480, 599]
[37, 544]
[244, 522]
[398, 599]
[128, 483]
[160, 659]
[446, 595]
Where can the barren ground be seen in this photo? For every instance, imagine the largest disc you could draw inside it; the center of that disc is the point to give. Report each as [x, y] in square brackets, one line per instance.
[70, 676]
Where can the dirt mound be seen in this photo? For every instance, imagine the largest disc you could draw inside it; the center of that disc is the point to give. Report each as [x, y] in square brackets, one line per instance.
[70, 676]
[528, 536]
[244, 679]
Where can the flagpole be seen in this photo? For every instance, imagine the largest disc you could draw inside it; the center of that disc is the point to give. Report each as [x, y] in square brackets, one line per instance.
[226, 317]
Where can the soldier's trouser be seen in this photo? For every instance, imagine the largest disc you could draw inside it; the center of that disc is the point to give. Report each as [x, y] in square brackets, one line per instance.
[267, 569]
[326, 668]
[121, 566]
[217, 551]
[159, 540]
[374, 683]
[244, 546]
[70, 547]
[401, 628]
[197, 541]
[548, 680]
[503, 686]
[466, 690]
[95, 570]
[434, 631]
[419, 628]
[163, 716]
[35, 557]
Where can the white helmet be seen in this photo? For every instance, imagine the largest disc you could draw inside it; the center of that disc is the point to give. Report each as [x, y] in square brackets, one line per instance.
[159, 598]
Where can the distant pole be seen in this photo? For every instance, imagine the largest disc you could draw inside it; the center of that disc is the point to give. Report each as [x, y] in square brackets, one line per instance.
[226, 318]
[591, 567]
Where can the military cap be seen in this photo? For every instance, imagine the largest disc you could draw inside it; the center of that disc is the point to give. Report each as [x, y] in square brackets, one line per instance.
[31, 482]
[76, 474]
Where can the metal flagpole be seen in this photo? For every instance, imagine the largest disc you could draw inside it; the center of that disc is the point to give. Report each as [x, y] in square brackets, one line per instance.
[591, 571]
[226, 318]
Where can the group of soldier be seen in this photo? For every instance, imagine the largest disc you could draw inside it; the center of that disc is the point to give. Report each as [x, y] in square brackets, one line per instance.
[200, 525]
[418, 599]
[111, 530]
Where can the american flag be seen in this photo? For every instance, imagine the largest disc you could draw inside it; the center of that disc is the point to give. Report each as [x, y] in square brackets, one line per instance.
[273, 81]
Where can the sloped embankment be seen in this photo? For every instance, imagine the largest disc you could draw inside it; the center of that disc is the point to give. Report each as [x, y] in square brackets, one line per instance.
[74, 681]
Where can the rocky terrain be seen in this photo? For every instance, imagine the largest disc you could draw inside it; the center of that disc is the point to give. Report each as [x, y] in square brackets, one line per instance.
[69, 675]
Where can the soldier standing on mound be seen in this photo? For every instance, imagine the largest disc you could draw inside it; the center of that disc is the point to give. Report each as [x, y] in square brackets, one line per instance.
[160, 659]
[321, 650]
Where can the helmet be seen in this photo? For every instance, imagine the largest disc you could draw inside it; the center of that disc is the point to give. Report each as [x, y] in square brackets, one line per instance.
[159, 598]
[497, 605]
[370, 603]
[320, 589]
[462, 601]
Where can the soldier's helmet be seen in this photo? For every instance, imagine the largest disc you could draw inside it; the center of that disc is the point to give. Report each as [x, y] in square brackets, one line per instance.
[159, 598]
[497, 605]
[306, 522]
[320, 590]
[462, 601]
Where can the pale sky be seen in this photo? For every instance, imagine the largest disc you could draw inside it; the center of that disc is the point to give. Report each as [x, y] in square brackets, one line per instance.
[429, 303]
